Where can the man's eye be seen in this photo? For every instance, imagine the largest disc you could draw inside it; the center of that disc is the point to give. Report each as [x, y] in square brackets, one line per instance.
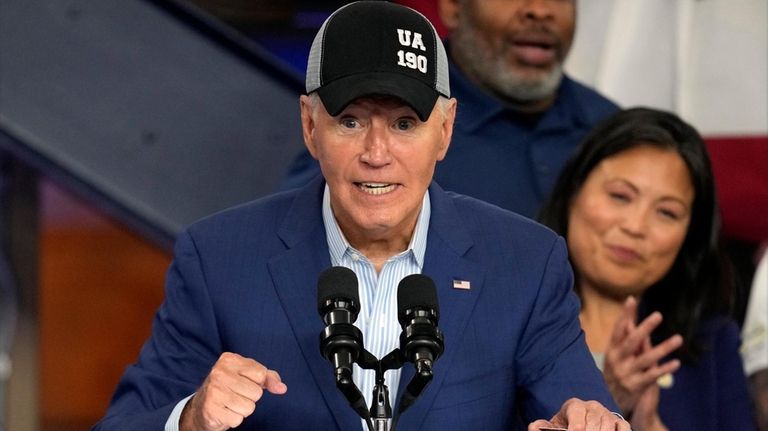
[349, 123]
[404, 124]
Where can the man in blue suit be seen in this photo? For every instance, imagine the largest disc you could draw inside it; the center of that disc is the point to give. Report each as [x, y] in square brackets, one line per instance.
[235, 344]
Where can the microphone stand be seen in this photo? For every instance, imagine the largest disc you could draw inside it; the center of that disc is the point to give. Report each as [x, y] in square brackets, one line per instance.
[381, 409]
[378, 416]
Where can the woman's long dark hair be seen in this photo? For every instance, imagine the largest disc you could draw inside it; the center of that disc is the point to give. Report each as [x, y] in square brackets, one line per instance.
[698, 284]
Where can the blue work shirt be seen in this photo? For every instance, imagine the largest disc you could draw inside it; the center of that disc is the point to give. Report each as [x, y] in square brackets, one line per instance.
[511, 159]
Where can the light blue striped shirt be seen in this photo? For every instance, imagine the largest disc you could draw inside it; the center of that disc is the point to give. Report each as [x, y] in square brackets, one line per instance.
[378, 293]
[378, 298]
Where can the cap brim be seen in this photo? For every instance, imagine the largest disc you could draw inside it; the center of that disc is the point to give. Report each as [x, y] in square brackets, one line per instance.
[341, 92]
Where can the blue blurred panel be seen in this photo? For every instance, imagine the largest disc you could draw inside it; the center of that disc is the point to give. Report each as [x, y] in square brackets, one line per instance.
[151, 110]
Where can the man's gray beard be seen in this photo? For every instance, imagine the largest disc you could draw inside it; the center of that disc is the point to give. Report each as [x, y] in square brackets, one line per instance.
[502, 79]
[495, 74]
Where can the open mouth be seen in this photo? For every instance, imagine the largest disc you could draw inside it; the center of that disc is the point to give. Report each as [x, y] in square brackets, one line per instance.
[540, 38]
[537, 54]
[376, 188]
[535, 44]
[538, 49]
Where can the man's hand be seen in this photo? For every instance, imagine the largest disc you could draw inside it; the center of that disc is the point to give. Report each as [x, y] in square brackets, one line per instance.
[229, 394]
[578, 415]
[631, 362]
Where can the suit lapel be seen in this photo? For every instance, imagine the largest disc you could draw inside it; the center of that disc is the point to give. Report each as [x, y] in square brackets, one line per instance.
[447, 243]
[295, 273]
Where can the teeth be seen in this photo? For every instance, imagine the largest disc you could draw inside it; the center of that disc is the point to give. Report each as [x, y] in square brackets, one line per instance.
[376, 188]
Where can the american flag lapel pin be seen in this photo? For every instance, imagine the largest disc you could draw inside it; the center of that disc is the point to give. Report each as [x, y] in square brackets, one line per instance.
[461, 284]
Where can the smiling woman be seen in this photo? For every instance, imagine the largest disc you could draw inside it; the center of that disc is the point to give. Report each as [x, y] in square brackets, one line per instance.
[629, 220]
[637, 207]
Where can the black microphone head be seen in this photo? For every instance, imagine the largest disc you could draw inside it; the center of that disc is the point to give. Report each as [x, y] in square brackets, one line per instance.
[416, 291]
[337, 282]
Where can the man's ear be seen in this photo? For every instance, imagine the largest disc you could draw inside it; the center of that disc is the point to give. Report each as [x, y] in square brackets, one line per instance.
[307, 125]
[447, 128]
[449, 13]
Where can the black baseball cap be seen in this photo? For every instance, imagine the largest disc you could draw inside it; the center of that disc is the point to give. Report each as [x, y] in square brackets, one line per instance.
[377, 48]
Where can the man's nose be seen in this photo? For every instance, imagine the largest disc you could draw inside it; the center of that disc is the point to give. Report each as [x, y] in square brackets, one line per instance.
[377, 145]
[537, 9]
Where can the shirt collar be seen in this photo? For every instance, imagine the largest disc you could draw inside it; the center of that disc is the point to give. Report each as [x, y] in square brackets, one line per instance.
[338, 245]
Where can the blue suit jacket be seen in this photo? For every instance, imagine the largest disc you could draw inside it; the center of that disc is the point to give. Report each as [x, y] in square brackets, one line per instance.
[244, 281]
[712, 393]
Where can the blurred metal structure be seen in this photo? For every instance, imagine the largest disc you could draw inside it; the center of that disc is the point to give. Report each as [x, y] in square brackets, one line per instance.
[148, 108]
[151, 110]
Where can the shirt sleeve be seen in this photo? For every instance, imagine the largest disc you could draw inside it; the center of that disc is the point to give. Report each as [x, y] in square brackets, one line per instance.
[172, 424]
[754, 347]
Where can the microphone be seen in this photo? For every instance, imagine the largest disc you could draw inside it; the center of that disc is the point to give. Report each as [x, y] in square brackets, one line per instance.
[341, 343]
[418, 313]
[421, 341]
[338, 303]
